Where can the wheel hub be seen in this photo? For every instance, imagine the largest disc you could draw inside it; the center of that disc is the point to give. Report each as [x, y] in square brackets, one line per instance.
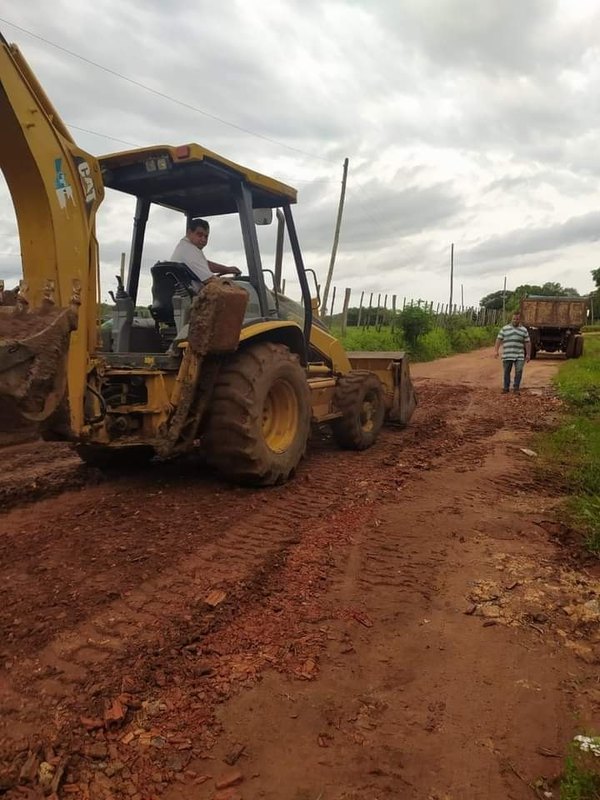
[280, 416]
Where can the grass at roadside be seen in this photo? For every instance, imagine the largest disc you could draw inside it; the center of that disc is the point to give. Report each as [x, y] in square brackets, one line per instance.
[435, 343]
[574, 448]
[580, 779]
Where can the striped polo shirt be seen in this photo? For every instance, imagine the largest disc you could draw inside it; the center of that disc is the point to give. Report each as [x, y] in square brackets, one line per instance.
[513, 340]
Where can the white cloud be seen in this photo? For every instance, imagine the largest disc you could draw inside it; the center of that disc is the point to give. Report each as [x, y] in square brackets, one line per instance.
[473, 123]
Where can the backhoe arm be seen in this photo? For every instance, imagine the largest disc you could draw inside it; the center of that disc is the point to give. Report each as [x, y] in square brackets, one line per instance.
[56, 189]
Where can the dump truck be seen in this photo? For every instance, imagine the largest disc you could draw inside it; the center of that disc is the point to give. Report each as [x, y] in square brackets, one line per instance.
[555, 323]
[236, 369]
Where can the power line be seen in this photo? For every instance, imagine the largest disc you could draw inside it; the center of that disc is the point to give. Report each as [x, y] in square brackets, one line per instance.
[164, 96]
[102, 135]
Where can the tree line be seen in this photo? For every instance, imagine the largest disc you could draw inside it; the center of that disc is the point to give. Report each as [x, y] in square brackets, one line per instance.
[512, 299]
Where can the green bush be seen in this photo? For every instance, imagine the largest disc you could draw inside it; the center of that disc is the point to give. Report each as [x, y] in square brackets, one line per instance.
[361, 339]
[458, 337]
[433, 344]
[415, 323]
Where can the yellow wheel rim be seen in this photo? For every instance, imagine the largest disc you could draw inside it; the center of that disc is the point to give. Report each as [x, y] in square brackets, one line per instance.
[280, 416]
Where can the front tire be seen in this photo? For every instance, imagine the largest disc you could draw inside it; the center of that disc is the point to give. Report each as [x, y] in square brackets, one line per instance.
[359, 396]
[258, 427]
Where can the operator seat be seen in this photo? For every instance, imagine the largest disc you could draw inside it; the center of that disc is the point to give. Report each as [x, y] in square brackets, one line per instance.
[169, 277]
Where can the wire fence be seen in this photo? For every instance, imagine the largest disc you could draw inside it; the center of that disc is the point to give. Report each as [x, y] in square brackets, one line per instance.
[379, 310]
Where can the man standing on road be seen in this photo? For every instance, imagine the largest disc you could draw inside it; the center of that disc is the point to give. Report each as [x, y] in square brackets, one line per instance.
[516, 349]
[189, 252]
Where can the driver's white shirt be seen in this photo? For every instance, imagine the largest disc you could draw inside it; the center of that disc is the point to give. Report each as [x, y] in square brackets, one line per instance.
[190, 255]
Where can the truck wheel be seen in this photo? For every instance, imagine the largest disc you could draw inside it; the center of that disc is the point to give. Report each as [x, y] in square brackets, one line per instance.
[260, 415]
[578, 346]
[570, 348]
[533, 351]
[359, 396]
[115, 458]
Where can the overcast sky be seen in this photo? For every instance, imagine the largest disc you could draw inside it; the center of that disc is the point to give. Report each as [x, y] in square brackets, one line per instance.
[466, 121]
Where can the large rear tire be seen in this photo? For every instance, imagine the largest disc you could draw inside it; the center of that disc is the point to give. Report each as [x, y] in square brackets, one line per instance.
[570, 348]
[359, 396]
[259, 421]
[578, 346]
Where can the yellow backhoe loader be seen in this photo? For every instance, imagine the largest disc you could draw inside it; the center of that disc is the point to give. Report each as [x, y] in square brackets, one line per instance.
[237, 369]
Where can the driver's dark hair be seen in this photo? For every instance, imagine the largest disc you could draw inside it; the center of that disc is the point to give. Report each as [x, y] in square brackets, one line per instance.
[198, 223]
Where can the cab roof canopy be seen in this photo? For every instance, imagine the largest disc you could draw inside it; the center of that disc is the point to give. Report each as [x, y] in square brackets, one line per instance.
[189, 179]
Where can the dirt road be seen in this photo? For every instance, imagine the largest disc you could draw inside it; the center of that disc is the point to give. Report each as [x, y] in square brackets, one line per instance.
[405, 622]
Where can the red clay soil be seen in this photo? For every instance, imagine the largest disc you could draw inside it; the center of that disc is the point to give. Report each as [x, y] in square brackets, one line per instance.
[404, 622]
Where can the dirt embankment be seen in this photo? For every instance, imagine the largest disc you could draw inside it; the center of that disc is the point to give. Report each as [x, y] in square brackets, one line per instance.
[403, 622]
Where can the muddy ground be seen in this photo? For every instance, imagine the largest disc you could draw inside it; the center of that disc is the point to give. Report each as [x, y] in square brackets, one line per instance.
[408, 622]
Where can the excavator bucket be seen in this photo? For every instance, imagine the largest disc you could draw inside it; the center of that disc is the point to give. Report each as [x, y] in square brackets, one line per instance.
[392, 370]
[33, 353]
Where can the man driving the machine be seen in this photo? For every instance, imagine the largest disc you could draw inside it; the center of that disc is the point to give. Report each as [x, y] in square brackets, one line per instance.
[189, 252]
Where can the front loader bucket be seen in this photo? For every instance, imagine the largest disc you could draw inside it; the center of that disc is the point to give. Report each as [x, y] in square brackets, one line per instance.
[33, 362]
[393, 371]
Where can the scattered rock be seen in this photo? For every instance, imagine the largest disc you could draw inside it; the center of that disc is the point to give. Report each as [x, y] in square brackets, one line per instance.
[114, 714]
[309, 668]
[46, 775]
[490, 611]
[582, 651]
[232, 778]
[215, 597]
[30, 767]
[363, 618]
[234, 754]
[97, 750]
[91, 723]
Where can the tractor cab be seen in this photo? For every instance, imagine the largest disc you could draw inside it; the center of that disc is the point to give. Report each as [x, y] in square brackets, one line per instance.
[200, 184]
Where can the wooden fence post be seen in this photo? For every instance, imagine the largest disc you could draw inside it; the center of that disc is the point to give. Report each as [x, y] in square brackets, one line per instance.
[377, 312]
[331, 309]
[362, 295]
[369, 311]
[347, 293]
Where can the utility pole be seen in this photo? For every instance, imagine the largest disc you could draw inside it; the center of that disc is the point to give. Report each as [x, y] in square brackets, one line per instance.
[504, 302]
[462, 297]
[451, 275]
[336, 238]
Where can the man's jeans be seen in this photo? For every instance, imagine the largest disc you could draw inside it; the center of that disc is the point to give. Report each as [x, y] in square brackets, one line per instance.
[508, 364]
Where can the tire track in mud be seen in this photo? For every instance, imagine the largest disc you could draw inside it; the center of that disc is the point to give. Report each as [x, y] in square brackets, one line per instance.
[236, 548]
[41, 469]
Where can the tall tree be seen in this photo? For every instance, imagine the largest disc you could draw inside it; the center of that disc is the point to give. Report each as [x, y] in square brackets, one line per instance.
[494, 299]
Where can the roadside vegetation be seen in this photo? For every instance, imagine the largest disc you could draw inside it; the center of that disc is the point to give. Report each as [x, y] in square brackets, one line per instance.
[581, 778]
[421, 334]
[574, 448]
